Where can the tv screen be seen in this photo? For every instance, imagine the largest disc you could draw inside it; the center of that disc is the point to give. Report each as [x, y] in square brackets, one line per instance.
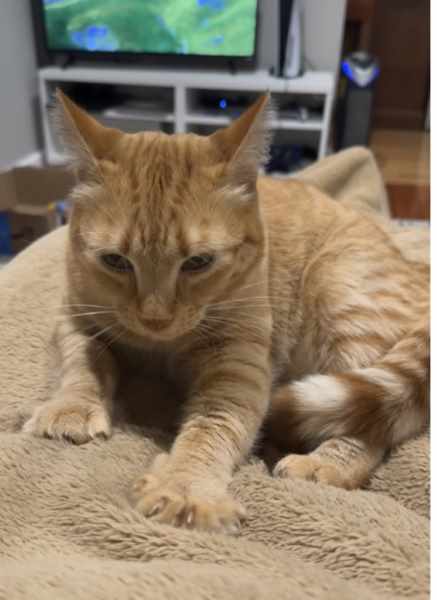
[221, 28]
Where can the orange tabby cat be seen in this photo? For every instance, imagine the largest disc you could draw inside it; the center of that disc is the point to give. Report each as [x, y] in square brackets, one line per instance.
[248, 292]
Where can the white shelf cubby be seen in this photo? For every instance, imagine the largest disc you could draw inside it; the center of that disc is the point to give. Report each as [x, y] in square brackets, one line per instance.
[181, 92]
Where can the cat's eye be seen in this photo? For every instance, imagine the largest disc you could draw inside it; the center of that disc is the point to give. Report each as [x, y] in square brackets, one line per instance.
[116, 262]
[198, 263]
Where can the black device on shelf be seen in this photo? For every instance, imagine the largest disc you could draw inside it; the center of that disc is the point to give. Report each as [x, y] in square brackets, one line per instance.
[360, 72]
[215, 33]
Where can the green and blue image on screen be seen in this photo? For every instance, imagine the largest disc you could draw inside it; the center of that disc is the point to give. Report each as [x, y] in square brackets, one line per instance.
[194, 27]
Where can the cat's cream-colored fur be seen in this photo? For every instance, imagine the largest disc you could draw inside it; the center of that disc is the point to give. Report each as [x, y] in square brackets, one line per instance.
[308, 320]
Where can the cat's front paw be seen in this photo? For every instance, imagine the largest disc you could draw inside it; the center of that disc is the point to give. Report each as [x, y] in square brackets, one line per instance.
[78, 421]
[174, 504]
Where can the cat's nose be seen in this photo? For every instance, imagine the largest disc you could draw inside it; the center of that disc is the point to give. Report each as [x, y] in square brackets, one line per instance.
[153, 313]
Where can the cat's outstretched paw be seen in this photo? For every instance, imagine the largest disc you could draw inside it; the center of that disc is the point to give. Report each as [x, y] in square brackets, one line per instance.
[75, 420]
[313, 468]
[169, 503]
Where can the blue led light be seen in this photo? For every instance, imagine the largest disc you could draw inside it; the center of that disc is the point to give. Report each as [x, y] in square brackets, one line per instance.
[223, 104]
[346, 68]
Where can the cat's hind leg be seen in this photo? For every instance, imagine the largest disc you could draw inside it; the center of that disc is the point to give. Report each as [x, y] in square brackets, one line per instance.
[377, 407]
[344, 462]
[318, 425]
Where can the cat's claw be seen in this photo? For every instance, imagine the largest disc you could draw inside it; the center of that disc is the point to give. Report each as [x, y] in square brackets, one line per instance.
[312, 468]
[74, 420]
[168, 503]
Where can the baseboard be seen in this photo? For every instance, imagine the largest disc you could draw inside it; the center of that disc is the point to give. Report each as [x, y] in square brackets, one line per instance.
[31, 160]
[34, 159]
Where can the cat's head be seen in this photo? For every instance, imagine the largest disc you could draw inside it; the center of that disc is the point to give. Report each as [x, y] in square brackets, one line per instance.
[163, 226]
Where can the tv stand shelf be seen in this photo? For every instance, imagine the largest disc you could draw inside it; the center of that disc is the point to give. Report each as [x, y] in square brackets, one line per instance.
[185, 88]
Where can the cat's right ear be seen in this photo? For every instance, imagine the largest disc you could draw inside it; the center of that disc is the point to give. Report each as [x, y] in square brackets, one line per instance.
[86, 141]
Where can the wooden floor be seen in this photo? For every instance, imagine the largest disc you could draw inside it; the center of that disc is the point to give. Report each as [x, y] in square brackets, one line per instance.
[403, 157]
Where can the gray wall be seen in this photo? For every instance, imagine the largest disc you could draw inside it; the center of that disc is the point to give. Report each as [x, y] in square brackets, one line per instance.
[18, 82]
[323, 32]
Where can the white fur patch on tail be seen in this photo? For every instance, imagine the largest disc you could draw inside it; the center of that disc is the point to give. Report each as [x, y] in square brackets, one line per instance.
[320, 392]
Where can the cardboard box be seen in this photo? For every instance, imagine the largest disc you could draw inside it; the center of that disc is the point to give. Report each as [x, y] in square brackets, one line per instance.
[32, 203]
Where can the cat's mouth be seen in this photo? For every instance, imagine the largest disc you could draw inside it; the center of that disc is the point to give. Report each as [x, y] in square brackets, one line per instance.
[156, 325]
[148, 327]
[159, 331]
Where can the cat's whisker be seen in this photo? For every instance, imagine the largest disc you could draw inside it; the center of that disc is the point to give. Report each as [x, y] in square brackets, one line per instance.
[238, 308]
[248, 298]
[239, 327]
[224, 314]
[249, 325]
[239, 312]
[240, 305]
[87, 314]
[61, 306]
[103, 331]
[269, 297]
[113, 339]
[89, 339]
[88, 327]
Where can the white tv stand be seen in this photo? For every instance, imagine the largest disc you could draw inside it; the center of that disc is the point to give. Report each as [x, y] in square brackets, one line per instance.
[182, 88]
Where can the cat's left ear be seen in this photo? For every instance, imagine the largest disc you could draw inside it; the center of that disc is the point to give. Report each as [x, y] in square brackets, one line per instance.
[85, 139]
[244, 145]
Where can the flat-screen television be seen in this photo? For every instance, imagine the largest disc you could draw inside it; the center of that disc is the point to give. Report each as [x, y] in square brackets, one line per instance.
[221, 29]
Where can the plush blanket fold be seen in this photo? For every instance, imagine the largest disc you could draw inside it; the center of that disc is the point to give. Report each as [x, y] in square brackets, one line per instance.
[67, 528]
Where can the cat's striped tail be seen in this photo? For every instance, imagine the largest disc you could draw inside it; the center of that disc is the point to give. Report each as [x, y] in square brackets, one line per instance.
[384, 404]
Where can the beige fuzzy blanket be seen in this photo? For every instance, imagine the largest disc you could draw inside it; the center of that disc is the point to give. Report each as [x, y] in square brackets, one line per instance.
[67, 529]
